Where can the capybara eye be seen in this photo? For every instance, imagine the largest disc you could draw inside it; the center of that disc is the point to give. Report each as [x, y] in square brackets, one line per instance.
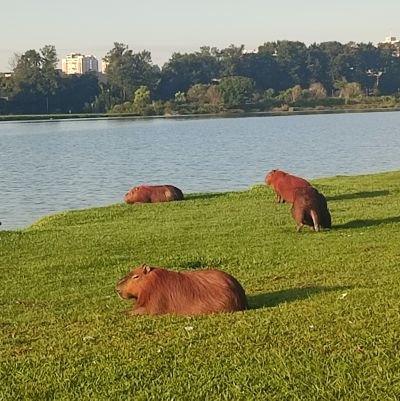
[135, 276]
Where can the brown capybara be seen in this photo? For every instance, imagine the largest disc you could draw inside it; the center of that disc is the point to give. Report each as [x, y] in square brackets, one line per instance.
[310, 208]
[284, 184]
[160, 291]
[153, 194]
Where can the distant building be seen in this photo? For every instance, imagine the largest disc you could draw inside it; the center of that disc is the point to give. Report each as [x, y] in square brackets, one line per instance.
[76, 63]
[252, 51]
[391, 40]
[394, 43]
[104, 65]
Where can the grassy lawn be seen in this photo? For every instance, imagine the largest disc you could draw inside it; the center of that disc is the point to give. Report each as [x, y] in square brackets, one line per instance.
[324, 322]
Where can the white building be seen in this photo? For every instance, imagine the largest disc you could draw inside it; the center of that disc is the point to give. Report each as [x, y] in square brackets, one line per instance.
[252, 51]
[391, 40]
[104, 65]
[76, 63]
[394, 43]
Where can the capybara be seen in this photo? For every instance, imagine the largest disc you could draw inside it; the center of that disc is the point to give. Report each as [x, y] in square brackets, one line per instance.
[284, 184]
[160, 291]
[310, 208]
[153, 194]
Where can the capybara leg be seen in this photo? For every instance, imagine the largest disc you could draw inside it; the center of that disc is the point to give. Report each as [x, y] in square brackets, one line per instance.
[315, 220]
[299, 227]
[137, 311]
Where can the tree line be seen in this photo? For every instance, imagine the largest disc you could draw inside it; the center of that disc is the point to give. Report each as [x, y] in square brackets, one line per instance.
[278, 74]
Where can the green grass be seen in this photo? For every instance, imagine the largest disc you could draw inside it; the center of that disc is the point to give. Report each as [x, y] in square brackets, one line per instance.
[324, 322]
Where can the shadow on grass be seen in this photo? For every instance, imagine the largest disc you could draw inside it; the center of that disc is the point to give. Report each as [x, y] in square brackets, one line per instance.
[204, 196]
[358, 195]
[367, 223]
[290, 295]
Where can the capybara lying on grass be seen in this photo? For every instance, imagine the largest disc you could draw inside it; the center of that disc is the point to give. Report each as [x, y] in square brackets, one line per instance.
[310, 208]
[153, 194]
[284, 184]
[159, 291]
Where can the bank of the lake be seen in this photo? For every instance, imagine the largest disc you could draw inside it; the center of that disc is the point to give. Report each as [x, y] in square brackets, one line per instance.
[228, 114]
[323, 323]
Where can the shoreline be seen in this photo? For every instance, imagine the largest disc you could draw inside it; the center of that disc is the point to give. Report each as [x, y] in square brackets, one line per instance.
[234, 114]
[188, 196]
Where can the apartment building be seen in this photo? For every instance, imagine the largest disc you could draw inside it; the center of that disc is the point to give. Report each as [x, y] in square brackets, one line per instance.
[395, 43]
[76, 63]
[391, 40]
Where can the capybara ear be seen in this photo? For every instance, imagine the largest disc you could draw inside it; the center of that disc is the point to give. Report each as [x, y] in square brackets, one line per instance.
[147, 269]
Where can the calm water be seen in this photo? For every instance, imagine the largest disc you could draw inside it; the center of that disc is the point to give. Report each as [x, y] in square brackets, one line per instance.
[53, 166]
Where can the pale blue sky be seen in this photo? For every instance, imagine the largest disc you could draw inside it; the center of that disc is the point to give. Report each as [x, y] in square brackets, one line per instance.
[163, 27]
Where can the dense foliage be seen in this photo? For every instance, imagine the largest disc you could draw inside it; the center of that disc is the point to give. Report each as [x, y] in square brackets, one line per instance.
[278, 74]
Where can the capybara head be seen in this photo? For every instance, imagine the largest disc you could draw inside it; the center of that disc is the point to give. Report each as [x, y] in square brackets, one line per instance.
[269, 176]
[130, 196]
[130, 285]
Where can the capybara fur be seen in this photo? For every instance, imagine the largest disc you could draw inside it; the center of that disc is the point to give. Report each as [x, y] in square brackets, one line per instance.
[160, 291]
[284, 184]
[153, 194]
[310, 208]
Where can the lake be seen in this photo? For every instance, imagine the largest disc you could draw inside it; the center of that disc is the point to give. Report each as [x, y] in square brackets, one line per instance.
[47, 167]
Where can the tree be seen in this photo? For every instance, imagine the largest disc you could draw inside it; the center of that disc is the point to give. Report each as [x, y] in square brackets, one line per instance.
[261, 68]
[76, 93]
[6, 86]
[198, 93]
[333, 52]
[35, 78]
[292, 95]
[390, 80]
[127, 71]
[291, 60]
[236, 91]
[317, 90]
[291, 57]
[359, 63]
[185, 70]
[229, 59]
[180, 98]
[317, 64]
[141, 101]
[348, 90]
[206, 98]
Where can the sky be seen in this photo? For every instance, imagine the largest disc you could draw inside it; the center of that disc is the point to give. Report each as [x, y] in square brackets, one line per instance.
[167, 26]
